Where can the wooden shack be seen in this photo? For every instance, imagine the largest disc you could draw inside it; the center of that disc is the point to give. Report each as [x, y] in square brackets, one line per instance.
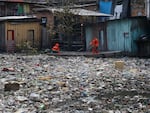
[16, 30]
[122, 34]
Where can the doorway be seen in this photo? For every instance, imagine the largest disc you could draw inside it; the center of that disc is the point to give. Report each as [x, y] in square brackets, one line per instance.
[30, 38]
[10, 41]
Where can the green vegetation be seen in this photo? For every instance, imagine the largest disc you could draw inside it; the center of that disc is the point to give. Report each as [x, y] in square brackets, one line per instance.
[26, 48]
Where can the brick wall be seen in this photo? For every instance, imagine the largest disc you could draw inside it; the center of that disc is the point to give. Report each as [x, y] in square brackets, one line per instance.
[138, 8]
[49, 15]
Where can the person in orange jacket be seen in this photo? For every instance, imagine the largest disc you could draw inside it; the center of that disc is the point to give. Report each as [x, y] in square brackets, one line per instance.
[94, 43]
[56, 48]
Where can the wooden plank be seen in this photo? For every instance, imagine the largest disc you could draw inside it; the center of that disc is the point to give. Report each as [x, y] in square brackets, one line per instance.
[87, 54]
[11, 46]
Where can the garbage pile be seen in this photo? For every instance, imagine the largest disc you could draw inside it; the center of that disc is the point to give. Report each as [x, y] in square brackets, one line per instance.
[49, 84]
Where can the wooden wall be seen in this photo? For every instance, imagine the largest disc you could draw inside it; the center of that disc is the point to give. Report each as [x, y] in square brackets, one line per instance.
[122, 34]
[2, 36]
[21, 31]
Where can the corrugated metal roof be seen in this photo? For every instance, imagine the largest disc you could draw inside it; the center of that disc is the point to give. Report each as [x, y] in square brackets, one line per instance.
[26, 1]
[11, 0]
[84, 12]
[16, 17]
[81, 12]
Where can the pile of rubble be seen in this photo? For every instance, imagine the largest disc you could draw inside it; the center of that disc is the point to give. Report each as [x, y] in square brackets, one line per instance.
[49, 84]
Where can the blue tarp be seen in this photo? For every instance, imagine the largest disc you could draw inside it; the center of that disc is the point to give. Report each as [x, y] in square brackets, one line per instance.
[105, 7]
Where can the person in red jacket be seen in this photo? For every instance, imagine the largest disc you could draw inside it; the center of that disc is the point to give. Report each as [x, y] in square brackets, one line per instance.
[94, 43]
[56, 48]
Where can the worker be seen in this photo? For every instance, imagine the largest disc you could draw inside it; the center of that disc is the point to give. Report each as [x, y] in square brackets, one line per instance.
[94, 44]
[56, 48]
